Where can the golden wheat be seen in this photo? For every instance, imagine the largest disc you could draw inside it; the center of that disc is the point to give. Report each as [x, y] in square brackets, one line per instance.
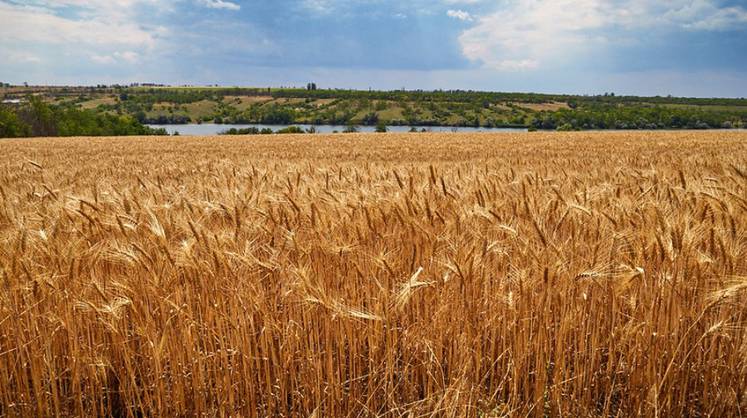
[579, 274]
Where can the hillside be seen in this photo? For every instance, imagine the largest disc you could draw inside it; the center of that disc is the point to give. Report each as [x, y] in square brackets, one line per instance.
[177, 105]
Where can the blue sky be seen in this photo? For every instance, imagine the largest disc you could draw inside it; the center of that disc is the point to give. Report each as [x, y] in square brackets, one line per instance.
[679, 47]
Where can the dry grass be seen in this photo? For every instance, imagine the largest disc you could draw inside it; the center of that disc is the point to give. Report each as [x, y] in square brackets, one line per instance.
[94, 103]
[581, 274]
[245, 102]
[552, 107]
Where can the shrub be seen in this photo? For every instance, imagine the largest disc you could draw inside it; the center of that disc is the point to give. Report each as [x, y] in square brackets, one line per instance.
[291, 130]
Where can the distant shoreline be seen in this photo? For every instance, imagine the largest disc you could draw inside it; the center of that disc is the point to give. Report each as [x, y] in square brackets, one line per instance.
[127, 109]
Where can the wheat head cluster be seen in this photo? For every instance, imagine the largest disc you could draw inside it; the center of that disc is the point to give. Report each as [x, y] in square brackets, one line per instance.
[393, 275]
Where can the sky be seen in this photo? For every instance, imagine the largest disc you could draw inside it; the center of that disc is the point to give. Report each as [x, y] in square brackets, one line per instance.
[643, 47]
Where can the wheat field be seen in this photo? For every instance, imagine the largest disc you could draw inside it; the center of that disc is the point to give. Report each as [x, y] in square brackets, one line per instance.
[393, 275]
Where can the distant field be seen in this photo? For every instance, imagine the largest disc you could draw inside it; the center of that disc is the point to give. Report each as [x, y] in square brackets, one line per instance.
[482, 275]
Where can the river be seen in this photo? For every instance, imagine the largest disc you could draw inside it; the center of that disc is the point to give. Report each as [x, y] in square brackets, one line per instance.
[214, 129]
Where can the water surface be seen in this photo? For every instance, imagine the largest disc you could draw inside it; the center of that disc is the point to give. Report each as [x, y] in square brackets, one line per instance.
[214, 129]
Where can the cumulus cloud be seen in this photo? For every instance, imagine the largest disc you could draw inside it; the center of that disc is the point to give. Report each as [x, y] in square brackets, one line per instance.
[129, 57]
[220, 4]
[705, 15]
[459, 14]
[526, 34]
[520, 37]
[44, 26]
[106, 31]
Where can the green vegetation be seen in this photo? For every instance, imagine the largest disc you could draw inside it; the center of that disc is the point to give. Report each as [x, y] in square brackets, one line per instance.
[314, 106]
[608, 116]
[291, 130]
[252, 130]
[247, 131]
[10, 125]
[37, 118]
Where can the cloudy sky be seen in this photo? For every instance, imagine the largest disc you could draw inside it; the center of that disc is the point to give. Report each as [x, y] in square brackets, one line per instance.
[679, 47]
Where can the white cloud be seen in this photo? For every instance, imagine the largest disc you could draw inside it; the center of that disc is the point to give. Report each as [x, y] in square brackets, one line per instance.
[516, 65]
[129, 57]
[462, 1]
[22, 57]
[104, 31]
[220, 4]
[40, 25]
[103, 59]
[384, 8]
[521, 37]
[322, 7]
[527, 34]
[459, 14]
[704, 15]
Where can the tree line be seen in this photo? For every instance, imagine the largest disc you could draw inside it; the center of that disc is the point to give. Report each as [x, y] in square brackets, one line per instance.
[641, 117]
[37, 118]
[187, 95]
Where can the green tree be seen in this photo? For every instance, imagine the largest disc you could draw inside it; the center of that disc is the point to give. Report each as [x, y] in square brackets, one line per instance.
[39, 116]
[291, 130]
[371, 119]
[10, 125]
